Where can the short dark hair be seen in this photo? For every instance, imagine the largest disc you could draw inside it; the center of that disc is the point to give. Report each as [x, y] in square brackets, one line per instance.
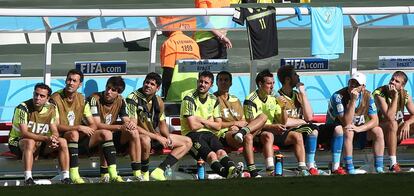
[43, 86]
[206, 74]
[224, 73]
[401, 74]
[153, 76]
[285, 71]
[260, 77]
[116, 82]
[75, 71]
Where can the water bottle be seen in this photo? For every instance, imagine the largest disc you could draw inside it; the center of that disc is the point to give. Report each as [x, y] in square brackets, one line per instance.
[168, 172]
[278, 164]
[200, 169]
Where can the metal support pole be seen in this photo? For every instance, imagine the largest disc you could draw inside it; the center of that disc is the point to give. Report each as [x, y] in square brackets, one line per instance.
[152, 45]
[354, 54]
[253, 73]
[47, 71]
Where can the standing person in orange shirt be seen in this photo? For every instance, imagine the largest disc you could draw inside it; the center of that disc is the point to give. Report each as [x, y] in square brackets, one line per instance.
[177, 46]
[213, 44]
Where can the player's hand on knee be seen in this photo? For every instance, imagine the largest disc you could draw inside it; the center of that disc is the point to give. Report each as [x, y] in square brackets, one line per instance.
[234, 128]
[164, 141]
[170, 143]
[279, 128]
[130, 125]
[87, 130]
[53, 142]
[405, 132]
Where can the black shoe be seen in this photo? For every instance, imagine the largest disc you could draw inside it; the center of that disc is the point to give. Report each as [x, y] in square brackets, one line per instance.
[29, 182]
[66, 181]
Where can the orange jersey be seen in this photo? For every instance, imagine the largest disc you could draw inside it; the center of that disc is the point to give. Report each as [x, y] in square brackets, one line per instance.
[178, 46]
[211, 3]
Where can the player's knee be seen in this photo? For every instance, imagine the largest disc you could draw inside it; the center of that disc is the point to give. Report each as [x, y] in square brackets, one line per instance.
[188, 143]
[62, 143]
[379, 135]
[145, 140]
[314, 133]
[135, 135]
[393, 127]
[28, 145]
[267, 137]
[349, 135]
[248, 138]
[72, 136]
[221, 153]
[211, 156]
[106, 135]
[296, 137]
[338, 130]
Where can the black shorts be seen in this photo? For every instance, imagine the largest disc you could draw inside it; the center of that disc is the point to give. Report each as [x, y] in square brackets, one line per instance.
[305, 129]
[325, 134]
[15, 148]
[224, 142]
[204, 143]
[120, 147]
[212, 49]
[85, 149]
[280, 139]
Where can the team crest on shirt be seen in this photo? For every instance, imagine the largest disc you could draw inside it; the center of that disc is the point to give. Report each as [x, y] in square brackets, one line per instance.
[38, 128]
[71, 118]
[108, 119]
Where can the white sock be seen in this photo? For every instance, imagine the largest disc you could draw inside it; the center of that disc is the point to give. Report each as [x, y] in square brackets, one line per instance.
[393, 160]
[335, 166]
[269, 162]
[65, 174]
[302, 164]
[27, 175]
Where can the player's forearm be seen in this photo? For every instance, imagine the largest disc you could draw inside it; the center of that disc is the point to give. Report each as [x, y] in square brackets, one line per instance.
[227, 124]
[392, 110]
[109, 127]
[212, 125]
[307, 108]
[269, 127]
[369, 125]
[410, 120]
[151, 135]
[292, 122]
[349, 113]
[65, 128]
[29, 135]
[164, 129]
[194, 124]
